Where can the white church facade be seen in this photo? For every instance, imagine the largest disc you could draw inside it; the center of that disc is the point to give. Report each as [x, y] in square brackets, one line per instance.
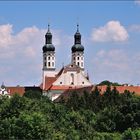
[71, 76]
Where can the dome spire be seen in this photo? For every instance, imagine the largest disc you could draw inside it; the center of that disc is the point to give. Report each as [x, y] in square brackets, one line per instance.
[77, 36]
[2, 85]
[48, 27]
[48, 41]
[48, 36]
[77, 27]
[77, 41]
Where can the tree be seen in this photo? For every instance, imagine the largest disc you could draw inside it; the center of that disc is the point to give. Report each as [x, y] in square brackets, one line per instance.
[129, 135]
[108, 83]
[33, 94]
[73, 101]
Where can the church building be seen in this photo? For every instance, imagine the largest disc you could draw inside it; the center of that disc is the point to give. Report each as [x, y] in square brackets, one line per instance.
[58, 84]
[71, 76]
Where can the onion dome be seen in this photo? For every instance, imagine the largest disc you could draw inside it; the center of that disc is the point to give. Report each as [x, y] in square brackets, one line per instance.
[3, 86]
[48, 47]
[77, 42]
[77, 48]
[48, 42]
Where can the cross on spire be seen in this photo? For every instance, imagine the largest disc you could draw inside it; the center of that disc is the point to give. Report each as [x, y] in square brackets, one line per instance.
[48, 27]
[77, 27]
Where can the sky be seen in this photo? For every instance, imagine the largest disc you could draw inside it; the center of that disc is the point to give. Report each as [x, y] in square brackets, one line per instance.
[110, 35]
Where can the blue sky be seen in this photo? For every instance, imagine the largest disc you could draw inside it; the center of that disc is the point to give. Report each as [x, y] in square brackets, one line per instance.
[110, 34]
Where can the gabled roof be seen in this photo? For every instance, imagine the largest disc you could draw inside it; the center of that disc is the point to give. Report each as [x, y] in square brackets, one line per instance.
[60, 72]
[80, 90]
[49, 81]
[72, 67]
[18, 90]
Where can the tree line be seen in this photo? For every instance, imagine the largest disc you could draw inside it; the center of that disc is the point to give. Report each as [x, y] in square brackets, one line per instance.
[108, 116]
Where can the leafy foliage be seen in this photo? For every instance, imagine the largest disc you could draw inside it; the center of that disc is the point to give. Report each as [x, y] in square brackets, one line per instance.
[108, 83]
[111, 116]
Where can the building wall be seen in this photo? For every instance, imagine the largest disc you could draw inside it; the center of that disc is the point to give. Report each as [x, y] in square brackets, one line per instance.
[53, 94]
[72, 78]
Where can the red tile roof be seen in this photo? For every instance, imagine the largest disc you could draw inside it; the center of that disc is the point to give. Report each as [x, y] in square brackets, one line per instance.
[80, 90]
[66, 94]
[121, 89]
[18, 90]
[53, 87]
[48, 82]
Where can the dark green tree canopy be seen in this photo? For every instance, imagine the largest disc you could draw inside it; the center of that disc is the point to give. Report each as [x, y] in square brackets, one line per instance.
[108, 116]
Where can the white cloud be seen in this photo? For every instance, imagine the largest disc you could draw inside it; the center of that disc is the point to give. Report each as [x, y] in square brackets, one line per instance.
[101, 53]
[116, 65]
[137, 2]
[21, 53]
[113, 31]
[30, 52]
[5, 35]
[26, 34]
[112, 59]
[134, 28]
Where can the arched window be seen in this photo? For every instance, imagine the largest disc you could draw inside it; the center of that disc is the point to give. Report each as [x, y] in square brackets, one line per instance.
[77, 58]
[81, 64]
[72, 79]
[78, 63]
[49, 58]
[49, 64]
[53, 64]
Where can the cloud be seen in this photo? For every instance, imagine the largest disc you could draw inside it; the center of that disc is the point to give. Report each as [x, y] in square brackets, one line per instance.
[137, 2]
[116, 65]
[21, 53]
[113, 59]
[5, 35]
[134, 28]
[113, 31]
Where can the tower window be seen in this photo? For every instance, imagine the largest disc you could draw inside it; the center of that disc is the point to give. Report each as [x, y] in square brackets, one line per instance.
[81, 58]
[49, 58]
[82, 82]
[73, 58]
[60, 82]
[44, 58]
[49, 64]
[82, 64]
[44, 63]
[78, 63]
[53, 64]
[52, 58]
[77, 58]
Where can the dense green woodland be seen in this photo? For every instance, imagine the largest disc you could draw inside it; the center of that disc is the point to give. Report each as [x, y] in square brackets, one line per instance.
[111, 116]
